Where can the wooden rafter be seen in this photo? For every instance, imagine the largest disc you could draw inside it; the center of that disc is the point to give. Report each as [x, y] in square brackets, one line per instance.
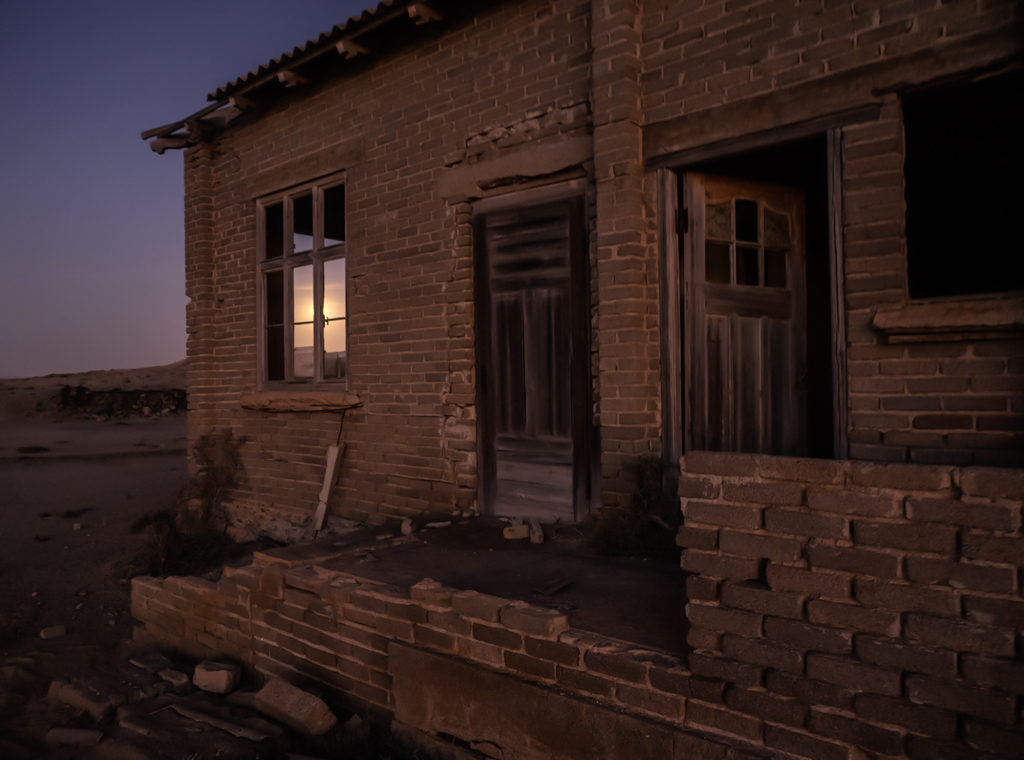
[422, 13]
[290, 79]
[350, 48]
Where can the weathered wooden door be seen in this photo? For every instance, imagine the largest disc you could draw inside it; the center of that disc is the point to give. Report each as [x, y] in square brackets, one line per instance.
[744, 316]
[532, 359]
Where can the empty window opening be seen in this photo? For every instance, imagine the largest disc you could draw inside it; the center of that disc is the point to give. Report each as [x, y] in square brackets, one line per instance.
[965, 198]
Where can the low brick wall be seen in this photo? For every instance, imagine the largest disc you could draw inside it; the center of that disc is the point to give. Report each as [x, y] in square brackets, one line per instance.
[855, 604]
[289, 615]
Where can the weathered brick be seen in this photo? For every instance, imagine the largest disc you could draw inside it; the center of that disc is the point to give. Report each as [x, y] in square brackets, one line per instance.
[714, 565]
[984, 515]
[733, 671]
[903, 597]
[804, 744]
[696, 487]
[993, 611]
[719, 463]
[860, 502]
[898, 654]
[957, 635]
[717, 719]
[853, 617]
[1004, 674]
[902, 477]
[763, 704]
[717, 618]
[697, 538]
[858, 732]
[564, 654]
[473, 604]
[664, 705]
[940, 539]
[801, 522]
[930, 721]
[617, 663]
[807, 690]
[760, 545]
[762, 652]
[1001, 742]
[808, 638]
[722, 515]
[500, 637]
[962, 697]
[853, 560]
[762, 600]
[993, 482]
[854, 675]
[530, 665]
[802, 470]
[808, 582]
[989, 548]
[774, 494]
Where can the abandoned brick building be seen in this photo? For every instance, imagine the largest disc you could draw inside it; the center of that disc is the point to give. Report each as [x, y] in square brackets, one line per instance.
[525, 245]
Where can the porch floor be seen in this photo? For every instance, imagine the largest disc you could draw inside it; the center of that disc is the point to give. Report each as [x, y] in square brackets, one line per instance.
[637, 600]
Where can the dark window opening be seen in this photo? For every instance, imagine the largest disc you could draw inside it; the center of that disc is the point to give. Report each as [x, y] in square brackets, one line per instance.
[965, 197]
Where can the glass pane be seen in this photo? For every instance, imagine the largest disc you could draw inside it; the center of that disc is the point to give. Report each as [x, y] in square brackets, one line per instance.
[775, 267]
[718, 220]
[302, 210]
[716, 262]
[303, 356]
[275, 297]
[334, 288]
[335, 355]
[334, 215]
[274, 223]
[746, 265]
[302, 316]
[275, 353]
[746, 220]
[776, 228]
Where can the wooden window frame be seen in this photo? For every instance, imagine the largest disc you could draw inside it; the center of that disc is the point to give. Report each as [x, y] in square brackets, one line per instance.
[286, 263]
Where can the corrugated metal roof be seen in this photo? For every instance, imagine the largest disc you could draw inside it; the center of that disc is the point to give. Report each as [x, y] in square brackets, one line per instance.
[311, 46]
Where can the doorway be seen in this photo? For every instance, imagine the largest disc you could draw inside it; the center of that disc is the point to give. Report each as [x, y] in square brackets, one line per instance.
[532, 356]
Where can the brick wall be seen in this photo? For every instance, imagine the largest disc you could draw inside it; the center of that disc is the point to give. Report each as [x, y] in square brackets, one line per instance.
[288, 615]
[857, 603]
[953, 401]
[465, 91]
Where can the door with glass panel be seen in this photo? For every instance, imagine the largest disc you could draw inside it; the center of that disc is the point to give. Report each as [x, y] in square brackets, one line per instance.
[744, 316]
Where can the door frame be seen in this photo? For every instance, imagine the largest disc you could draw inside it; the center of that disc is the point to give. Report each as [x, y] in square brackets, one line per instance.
[673, 224]
[579, 336]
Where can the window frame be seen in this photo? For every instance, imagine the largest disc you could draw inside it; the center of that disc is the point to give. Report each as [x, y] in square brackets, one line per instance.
[286, 264]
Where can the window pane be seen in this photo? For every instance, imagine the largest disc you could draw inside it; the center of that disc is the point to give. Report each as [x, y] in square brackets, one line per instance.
[302, 209]
[746, 265]
[718, 220]
[274, 223]
[334, 319]
[275, 353]
[302, 316]
[334, 215]
[335, 355]
[775, 267]
[716, 262]
[274, 286]
[746, 220]
[776, 228]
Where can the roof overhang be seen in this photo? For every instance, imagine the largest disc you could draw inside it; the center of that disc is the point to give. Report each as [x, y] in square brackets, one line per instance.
[374, 32]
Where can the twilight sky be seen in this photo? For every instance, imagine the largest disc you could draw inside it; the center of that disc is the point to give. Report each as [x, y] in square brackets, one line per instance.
[92, 240]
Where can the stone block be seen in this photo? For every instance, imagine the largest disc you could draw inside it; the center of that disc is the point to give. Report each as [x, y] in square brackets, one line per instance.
[216, 677]
[298, 709]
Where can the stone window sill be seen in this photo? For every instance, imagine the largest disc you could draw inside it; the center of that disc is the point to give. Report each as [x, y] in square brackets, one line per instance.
[300, 401]
[986, 318]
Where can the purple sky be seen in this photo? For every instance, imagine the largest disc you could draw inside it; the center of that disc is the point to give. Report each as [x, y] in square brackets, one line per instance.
[92, 242]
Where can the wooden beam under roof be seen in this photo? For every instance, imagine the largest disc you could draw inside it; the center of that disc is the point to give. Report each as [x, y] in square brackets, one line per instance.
[350, 48]
[422, 13]
[290, 79]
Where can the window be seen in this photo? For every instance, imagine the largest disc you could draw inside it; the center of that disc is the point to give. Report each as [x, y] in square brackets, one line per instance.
[303, 296]
[965, 199]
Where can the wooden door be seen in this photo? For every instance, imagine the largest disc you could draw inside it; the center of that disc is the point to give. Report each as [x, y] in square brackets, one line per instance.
[744, 316]
[532, 359]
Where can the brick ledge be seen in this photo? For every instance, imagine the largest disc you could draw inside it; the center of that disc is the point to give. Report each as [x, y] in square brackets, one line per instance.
[300, 401]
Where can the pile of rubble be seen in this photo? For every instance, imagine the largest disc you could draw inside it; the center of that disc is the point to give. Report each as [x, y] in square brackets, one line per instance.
[118, 403]
[148, 707]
